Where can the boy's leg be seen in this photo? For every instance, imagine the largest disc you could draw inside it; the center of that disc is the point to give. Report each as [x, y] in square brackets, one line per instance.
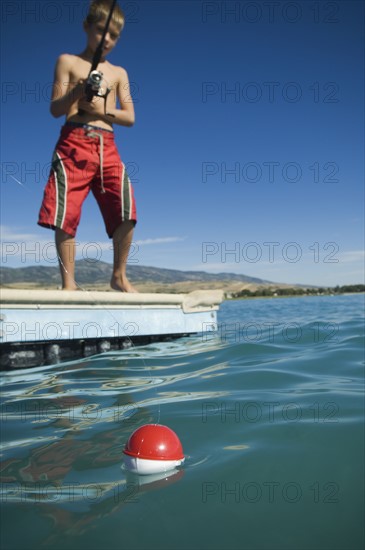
[67, 187]
[66, 250]
[122, 239]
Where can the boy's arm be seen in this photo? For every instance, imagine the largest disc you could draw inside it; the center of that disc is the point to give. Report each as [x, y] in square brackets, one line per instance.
[125, 114]
[64, 92]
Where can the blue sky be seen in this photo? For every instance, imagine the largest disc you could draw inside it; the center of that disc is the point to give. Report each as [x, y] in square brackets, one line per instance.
[248, 150]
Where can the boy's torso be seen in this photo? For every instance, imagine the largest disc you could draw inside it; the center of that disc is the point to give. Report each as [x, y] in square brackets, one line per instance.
[79, 69]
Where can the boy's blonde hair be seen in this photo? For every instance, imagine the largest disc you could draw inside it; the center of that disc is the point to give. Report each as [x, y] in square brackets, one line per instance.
[99, 10]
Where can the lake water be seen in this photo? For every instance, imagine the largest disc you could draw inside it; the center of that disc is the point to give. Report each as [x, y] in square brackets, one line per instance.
[270, 413]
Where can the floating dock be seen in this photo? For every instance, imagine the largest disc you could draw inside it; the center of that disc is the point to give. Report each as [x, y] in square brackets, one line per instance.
[42, 327]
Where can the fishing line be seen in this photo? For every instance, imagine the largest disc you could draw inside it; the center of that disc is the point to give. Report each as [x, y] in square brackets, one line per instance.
[20, 183]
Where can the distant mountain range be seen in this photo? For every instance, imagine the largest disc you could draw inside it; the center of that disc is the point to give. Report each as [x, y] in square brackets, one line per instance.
[100, 272]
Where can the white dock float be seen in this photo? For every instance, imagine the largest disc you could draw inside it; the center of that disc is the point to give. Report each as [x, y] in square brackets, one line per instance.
[39, 327]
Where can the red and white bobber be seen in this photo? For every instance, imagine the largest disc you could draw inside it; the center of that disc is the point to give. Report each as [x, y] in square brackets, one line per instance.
[152, 449]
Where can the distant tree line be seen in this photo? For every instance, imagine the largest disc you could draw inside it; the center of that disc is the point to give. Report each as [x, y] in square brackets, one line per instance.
[297, 291]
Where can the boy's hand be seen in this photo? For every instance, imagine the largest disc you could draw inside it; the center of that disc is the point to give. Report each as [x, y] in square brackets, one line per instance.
[94, 107]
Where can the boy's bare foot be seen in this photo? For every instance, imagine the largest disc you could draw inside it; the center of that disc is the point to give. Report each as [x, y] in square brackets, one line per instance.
[122, 284]
[74, 287]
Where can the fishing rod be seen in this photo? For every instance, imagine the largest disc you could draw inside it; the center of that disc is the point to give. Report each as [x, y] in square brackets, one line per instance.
[94, 79]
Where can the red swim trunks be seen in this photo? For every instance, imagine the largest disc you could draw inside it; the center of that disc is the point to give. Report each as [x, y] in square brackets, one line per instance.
[86, 158]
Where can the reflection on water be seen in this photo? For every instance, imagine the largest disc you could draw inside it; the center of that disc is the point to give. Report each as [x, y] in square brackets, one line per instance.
[261, 415]
[79, 416]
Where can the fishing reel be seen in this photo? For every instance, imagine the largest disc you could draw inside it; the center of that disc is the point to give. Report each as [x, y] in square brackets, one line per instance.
[94, 88]
[93, 85]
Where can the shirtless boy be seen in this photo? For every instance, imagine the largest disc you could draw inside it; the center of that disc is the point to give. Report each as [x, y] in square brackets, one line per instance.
[86, 157]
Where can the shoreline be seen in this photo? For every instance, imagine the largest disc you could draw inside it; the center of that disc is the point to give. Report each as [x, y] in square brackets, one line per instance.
[233, 291]
[297, 296]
